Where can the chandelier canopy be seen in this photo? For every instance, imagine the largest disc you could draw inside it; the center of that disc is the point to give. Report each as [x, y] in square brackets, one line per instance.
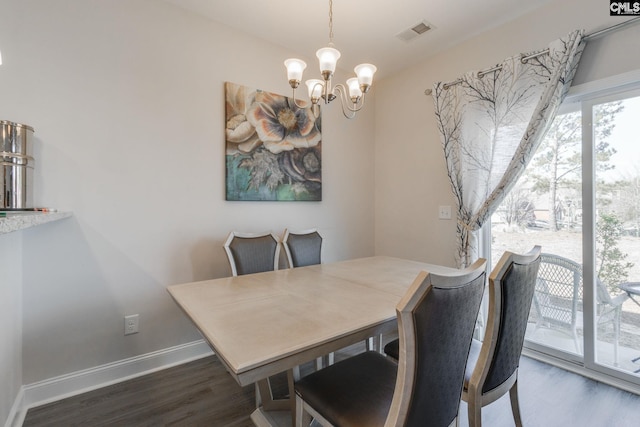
[351, 97]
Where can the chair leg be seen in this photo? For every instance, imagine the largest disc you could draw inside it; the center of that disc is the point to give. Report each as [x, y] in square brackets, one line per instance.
[303, 418]
[369, 343]
[616, 333]
[515, 404]
[296, 373]
[330, 359]
[324, 361]
[576, 340]
[374, 343]
[291, 379]
[474, 407]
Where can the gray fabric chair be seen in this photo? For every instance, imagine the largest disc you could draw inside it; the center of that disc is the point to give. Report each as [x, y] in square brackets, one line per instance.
[252, 253]
[255, 253]
[492, 369]
[436, 319]
[302, 247]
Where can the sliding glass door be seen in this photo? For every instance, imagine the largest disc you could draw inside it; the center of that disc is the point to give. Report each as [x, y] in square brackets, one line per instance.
[580, 200]
[613, 202]
[545, 208]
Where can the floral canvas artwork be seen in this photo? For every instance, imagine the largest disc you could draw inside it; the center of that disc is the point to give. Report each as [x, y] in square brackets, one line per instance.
[273, 148]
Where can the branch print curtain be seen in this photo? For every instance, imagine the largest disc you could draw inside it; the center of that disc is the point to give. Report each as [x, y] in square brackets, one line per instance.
[491, 125]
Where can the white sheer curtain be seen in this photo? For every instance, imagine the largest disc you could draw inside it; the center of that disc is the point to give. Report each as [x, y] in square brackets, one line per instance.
[491, 124]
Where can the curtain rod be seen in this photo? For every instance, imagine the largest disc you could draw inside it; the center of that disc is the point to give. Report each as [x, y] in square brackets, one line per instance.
[606, 30]
[524, 59]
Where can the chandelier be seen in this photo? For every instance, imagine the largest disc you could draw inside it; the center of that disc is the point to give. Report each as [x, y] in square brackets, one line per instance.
[352, 100]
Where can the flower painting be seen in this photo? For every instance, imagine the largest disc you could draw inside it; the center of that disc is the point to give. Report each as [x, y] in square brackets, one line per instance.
[273, 147]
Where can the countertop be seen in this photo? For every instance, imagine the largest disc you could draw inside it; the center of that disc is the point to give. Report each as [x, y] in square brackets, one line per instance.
[18, 220]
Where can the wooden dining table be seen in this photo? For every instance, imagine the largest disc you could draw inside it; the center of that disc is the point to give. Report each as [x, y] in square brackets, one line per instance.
[263, 324]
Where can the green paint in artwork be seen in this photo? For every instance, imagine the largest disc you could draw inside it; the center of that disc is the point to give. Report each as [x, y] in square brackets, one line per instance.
[237, 186]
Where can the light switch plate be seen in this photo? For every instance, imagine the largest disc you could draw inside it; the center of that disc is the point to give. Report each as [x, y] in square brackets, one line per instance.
[444, 212]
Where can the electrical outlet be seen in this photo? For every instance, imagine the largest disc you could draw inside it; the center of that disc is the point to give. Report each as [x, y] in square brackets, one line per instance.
[444, 212]
[131, 324]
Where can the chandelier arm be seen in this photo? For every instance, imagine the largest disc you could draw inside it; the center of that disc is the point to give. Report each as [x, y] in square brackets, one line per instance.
[313, 89]
[344, 102]
[296, 102]
[326, 92]
[359, 104]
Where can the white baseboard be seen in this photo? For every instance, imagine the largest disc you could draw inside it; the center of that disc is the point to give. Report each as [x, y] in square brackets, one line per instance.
[16, 414]
[75, 383]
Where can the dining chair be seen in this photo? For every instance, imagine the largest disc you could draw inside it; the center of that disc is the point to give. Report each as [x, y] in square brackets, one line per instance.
[302, 247]
[252, 252]
[436, 319]
[256, 253]
[492, 368]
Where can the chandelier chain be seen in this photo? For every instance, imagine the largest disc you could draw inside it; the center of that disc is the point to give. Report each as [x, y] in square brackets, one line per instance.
[331, 21]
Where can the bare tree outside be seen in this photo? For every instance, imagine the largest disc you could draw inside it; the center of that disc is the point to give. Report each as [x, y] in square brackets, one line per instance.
[517, 210]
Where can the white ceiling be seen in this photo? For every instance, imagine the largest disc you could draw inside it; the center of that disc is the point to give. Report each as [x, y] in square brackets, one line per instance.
[364, 30]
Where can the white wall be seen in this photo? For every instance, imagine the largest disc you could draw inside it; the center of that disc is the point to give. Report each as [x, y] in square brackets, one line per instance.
[11, 321]
[411, 179]
[127, 103]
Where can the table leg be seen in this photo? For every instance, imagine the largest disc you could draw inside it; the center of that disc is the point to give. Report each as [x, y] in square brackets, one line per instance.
[270, 411]
[266, 397]
[292, 395]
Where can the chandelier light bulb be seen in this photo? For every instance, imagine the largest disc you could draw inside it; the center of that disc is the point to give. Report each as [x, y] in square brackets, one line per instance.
[354, 89]
[315, 88]
[365, 74]
[328, 58]
[295, 67]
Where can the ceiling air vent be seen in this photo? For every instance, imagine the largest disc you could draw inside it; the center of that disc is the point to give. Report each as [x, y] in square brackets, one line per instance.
[415, 31]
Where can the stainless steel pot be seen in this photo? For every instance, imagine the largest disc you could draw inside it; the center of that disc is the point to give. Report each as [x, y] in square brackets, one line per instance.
[16, 179]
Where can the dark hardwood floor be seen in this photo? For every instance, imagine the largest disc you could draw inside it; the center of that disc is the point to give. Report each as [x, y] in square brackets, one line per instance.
[199, 393]
[551, 397]
[202, 393]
